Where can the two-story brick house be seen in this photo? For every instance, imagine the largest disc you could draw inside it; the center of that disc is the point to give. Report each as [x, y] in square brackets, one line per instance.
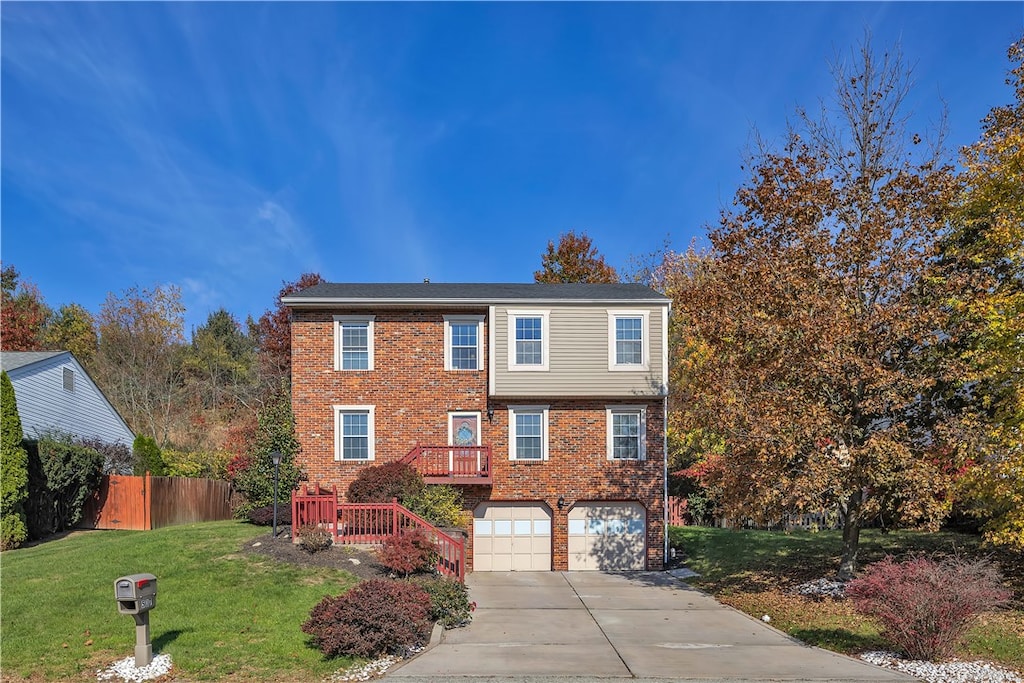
[545, 403]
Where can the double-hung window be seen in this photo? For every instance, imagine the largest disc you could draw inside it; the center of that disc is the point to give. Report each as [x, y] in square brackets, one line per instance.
[627, 340]
[528, 337]
[528, 433]
[353, 342]
[627, 428]
[463, 335]
[353, 433]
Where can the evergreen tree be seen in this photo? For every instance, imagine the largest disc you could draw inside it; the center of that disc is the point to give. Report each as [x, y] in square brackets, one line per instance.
[13, 469]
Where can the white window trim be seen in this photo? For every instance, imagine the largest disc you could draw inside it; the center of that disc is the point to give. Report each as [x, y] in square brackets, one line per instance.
[609, 437]
[463, 320]
[545, 338]
[645, 325]
[370, 431]
[339, 320]
[512, 411]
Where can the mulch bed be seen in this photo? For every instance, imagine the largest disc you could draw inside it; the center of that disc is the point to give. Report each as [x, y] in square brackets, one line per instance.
[360, 561]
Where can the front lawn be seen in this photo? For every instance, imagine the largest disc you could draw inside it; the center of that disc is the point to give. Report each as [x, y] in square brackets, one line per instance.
[221, 614]
[754, 571]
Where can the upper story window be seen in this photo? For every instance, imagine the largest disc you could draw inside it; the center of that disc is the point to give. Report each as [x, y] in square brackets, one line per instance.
[627, 427]
[353, 342]
[528, 340]
[353, 433]
[627, 340]
[528, 432]
[463, 335]
[69, 379]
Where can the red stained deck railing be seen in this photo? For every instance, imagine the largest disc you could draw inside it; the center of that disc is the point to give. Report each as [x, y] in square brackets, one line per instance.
[371, 523]
[452, 464]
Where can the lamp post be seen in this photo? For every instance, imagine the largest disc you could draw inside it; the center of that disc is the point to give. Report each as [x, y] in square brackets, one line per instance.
[275, 457]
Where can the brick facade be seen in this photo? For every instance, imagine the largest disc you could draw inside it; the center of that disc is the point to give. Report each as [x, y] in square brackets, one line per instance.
[413, 394]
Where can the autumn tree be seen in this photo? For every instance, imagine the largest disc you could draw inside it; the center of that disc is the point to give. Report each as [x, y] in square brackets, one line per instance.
[23, 313]
[138, 362]
[273, 332]
[807, 328]
[72, 328]
[988, 252]
[574, 259]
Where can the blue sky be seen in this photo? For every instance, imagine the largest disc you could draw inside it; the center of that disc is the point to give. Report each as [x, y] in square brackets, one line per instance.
[226, 148]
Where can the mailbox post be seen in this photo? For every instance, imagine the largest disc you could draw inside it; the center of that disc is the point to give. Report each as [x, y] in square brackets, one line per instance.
[136, 595]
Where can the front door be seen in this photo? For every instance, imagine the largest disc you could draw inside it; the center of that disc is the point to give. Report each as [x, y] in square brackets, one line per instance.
[464, 430]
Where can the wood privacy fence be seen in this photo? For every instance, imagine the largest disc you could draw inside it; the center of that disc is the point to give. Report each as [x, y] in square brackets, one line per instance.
[143, 503]
[679, 515]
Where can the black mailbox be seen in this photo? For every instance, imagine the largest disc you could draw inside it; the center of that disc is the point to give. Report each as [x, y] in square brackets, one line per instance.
[135, 594]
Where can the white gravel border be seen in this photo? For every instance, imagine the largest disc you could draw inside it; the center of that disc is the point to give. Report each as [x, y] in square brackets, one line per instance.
[955, 671]
[126, 670]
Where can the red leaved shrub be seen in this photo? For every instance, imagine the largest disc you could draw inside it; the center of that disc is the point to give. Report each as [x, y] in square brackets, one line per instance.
[926, 606]
[408, 552]
[375, 618]
[383, 483]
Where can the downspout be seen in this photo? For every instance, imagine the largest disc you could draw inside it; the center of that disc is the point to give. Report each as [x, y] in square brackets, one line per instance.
[664, 477]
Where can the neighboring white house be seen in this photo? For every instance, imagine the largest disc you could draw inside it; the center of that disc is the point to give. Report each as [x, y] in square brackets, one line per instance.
[56, 394]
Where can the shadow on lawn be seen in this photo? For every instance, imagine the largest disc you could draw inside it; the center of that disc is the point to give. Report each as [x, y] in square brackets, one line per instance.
[838, 639]
[166, 638]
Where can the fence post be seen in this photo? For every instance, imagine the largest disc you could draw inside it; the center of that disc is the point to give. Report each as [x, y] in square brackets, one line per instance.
[147, 502]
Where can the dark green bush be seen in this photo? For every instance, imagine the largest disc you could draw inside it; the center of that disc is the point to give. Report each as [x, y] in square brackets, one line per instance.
[147, 457]
[62, 475]
[253, 473]
[377, 617]
[449, 600]
[13, 470]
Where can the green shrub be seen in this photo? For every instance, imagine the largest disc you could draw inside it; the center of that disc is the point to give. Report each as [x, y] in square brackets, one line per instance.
[197, 464]
[926, 606]
[148, 457]
[63, 474]
[313, 539]
[117, 458]
[13, 470]
[253, 473]
[441, 504]
[449, 600]
[383, 483]
[377, 617]
[264, 516]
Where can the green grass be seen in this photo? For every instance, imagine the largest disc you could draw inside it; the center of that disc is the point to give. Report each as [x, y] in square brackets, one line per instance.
[220, 614]
[754, 570]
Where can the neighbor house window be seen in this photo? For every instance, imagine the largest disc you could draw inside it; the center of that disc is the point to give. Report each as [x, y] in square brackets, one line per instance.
[353, 433]
[528, 340]
[353, 342]
[627, 340]
[627, 426]
[462, 342]
[69, 379]
[528, 433]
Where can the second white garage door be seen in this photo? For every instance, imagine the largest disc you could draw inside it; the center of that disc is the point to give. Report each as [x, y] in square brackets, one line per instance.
[511, 537]
[609, 536]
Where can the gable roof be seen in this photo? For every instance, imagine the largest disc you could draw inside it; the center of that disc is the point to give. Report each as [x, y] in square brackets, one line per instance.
[427, 293]
[12, 360]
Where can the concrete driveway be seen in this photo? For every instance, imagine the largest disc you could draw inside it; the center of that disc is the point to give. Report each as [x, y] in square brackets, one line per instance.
[537, 626]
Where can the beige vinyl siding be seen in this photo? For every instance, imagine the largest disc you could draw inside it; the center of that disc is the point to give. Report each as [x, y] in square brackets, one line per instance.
[578, 355]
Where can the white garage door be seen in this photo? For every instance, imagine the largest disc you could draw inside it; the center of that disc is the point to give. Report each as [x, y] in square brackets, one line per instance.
[511, 537]
[610, 536]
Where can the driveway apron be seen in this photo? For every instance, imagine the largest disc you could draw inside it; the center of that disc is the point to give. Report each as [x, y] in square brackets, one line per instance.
[638, 625]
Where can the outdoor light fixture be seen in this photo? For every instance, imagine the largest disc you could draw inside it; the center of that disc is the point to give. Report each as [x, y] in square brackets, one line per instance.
[275, 457]
[561, 503]
[490, 414]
